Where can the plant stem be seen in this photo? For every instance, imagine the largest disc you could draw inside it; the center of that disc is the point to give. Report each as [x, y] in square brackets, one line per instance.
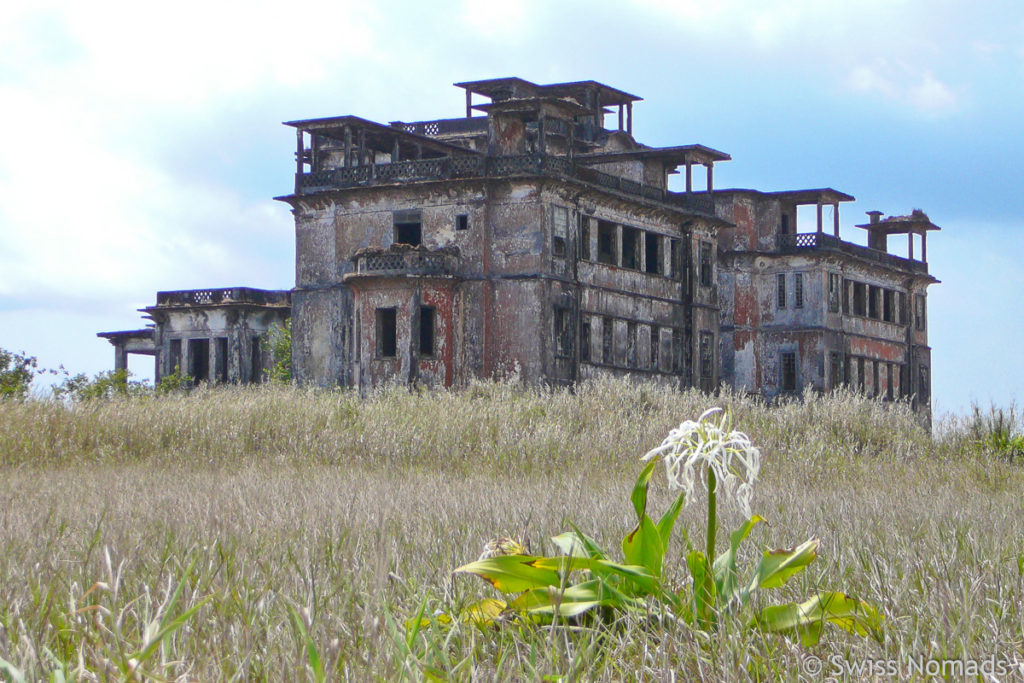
[712, 518]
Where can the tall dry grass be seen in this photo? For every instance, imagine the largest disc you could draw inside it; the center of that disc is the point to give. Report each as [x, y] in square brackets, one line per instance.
[350, 513]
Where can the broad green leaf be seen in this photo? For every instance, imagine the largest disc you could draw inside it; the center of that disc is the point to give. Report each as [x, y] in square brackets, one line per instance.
[643, 546]
[572, 601]
[483, 612]
[513, 573]
[725, 564]
[639, 495]
[703, 589]
[777, 566]
[807, 619]
[668, 520]
[575, 543]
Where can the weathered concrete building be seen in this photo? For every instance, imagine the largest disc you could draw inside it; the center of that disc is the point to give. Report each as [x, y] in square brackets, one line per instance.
[527, 235]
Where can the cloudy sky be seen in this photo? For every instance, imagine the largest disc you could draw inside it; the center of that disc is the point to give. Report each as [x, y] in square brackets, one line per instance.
[140, 144]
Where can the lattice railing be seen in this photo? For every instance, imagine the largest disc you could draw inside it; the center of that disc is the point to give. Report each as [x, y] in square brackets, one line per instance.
[407, 263]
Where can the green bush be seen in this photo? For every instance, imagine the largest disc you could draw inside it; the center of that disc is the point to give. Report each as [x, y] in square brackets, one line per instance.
[16, 373]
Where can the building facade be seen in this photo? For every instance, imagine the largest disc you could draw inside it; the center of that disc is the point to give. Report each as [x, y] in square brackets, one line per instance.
[529, 235]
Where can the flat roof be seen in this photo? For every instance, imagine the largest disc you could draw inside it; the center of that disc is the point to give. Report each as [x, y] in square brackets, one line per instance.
[680, 154]
[378, 135]
[895, 225]
[521, 87]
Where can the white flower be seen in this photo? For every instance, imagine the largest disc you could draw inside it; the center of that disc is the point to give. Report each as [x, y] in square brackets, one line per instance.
[693, 448]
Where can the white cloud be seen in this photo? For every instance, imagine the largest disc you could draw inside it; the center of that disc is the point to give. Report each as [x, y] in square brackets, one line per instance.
[904, 84]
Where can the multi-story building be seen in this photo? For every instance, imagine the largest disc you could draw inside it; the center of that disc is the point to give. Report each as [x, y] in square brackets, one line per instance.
[529, 235]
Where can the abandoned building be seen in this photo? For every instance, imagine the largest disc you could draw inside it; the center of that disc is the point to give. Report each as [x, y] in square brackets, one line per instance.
[530, 235]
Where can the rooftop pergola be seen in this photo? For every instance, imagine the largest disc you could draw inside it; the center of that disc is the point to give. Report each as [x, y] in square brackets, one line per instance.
[917, 223]
[818, 197]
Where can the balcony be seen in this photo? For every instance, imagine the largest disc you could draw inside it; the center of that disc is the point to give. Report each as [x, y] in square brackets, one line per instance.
[800, 242]
[475, 166]
[401, 260]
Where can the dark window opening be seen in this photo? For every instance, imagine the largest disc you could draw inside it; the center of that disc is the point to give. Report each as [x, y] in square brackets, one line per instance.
[408, 228]
[607, 340]
[860, 374]
[923, 386]
[630, 254]
[655, 346]
[780, 290]
[888, 305]
[873, 302]
[919, 322]
[606, 242]
[836, 363]
[559, 229]
[706, 265]
[199, 359]
[174, 362]
[563, 332]
[676, 259]
[846, 296]
[860, 295]
[222, 359]
[462, 222]
[833, 292]
[904, 312]
[387, 332]
[652, 253]
[631, 354]
[785, 224]
[788, 364]
[426, 331]
[798, 290]
[888, 381]
[707, 361]
[584, 238]
[585, 341]
[875, 386]
[256, 359]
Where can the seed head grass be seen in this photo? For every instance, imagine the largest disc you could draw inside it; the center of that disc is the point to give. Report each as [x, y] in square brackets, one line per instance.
[305, 528]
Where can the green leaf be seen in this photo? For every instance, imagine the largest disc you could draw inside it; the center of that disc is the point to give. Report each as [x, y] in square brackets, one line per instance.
[572, 601]
[807, 619]
[704, 598]
[639, 495]
[309, 647]
[514, 573]
[777, 566]
[668, 520]
[483, 612]
[575, 543]
[643, 546]
[725, 564]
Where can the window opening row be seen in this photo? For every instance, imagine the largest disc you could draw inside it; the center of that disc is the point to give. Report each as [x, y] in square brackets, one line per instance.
[387, 332]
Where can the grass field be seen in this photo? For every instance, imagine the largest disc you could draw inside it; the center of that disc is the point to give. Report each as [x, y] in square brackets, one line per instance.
[268, 531]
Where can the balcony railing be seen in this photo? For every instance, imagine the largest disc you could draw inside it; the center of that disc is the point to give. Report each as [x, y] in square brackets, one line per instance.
[820, 240]
[446, 168]
[229, 295]
[407, 262]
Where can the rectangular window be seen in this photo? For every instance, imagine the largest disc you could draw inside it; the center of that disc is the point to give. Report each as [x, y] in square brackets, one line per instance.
[174, 362]
[873, 311]
[606, 243]
[387, 332]
[904, 311]
[655, 346]
[563, 332]
[780, 290]
[256, 359]
[923, 385]
[427, 318]
[584, 238]
[706, 264]
[860, 296]
[888, 381]
[787, 365]
[607, 339]
[847, 285]
[707, 361]
[919, 321]
[585, 341]
[199, 359]
[875, 386]
[408, 228]
[798, 290]
[675, 259]
[677, 351]
[462, 222]
[630, 253]
[860, 374]
[836, 369]
[652, 253]
[559, 229]
[222, 359]
[834, 284]
[631, 338]
[888, 305]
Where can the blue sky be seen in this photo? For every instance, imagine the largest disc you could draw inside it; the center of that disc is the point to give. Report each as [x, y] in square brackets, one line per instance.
[140, 144]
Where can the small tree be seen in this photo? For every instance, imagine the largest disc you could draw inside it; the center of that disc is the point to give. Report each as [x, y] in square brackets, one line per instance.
[16, 373]
[279, 342]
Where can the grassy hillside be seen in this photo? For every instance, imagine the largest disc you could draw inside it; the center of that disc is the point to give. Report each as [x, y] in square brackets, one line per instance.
[279, 511]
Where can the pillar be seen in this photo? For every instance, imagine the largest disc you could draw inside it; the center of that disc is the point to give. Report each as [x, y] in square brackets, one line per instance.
[711, 176]
[469, 104]
[120, 357]
[819, 218]
[924, 247]
[689, 177]
[910, 245]
[629, 118]
[835, 219]
[348, 146]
